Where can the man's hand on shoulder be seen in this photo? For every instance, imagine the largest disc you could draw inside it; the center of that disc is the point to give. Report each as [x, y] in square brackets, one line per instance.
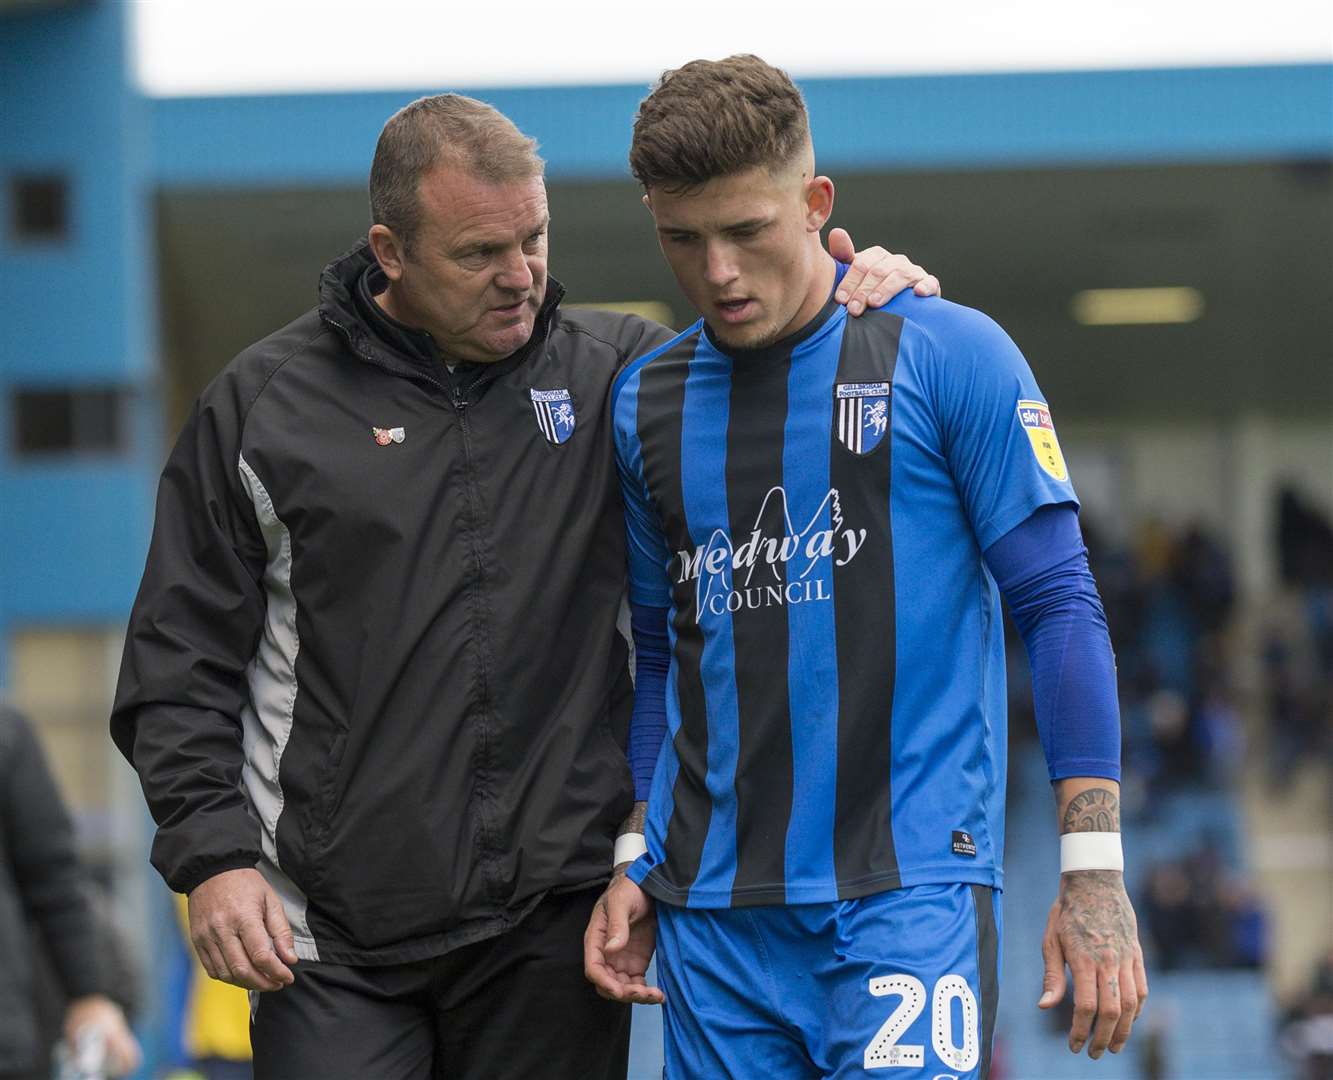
[875, 275]
[240, 931]
[1092, 929]
[618, 944]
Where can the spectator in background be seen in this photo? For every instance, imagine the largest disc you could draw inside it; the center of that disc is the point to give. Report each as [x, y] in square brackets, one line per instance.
[42, 884]
[1307, 1029]
[1298, 642]
[1199, 914]
[1304, 542]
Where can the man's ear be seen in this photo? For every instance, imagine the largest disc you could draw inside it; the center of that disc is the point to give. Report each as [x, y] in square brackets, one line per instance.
[388, 250]
[648, 202]
[818, 202]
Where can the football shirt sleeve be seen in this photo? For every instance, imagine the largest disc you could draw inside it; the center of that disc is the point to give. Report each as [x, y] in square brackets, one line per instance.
[649, 592]
[995, 426]
[1041, 567]
[647, 547]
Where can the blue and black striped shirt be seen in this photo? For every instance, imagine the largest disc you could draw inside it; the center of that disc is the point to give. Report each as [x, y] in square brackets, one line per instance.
[813, 514]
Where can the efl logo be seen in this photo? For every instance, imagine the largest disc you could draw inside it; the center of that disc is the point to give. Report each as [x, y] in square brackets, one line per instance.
[555, 414]
[1036, 420]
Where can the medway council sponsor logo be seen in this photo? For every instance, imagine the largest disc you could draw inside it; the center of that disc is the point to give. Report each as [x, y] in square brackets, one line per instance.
[725, 573]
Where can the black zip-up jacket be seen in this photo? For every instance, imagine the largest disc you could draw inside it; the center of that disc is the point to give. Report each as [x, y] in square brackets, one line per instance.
[42, 888]
[375, 651]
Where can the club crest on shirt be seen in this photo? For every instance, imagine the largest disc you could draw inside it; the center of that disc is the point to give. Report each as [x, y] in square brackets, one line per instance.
[862, 415]
[555, 414]
[1035, 417]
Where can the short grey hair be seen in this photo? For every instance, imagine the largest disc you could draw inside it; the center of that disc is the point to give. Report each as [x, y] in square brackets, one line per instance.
[439, 130]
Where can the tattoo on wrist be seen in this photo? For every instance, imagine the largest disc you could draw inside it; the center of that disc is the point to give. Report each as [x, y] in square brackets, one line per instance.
[1094, 810]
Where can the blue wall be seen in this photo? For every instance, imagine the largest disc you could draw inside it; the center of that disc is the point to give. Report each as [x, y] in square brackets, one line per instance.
[967, 121]
[74, 529]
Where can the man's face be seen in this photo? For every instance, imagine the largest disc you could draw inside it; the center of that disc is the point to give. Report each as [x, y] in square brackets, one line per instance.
[741, 250]
[475, 276]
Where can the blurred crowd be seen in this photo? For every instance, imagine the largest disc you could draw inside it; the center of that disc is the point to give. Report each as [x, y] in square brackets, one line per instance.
[1198, 912]
[1297, 648]
[1191, 711]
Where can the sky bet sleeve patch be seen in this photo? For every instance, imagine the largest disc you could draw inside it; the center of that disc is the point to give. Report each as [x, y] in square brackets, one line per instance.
[1036, 420]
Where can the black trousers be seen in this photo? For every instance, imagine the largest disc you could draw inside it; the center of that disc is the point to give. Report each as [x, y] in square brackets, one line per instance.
[515, 1006]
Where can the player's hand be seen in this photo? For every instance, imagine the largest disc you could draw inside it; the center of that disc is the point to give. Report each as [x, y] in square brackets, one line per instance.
[1092, 929]
[240, 931]
[875, 275]
[99, 1014]
[619, 942]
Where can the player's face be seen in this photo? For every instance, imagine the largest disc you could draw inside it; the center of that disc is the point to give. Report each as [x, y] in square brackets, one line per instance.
[745, 250]
[475, 276]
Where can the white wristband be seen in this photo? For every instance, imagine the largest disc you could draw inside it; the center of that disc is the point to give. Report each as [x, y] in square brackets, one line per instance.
[629, 846]
[1091, 851]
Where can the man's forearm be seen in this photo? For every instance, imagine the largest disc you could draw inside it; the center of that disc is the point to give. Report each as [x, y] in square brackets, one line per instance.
[1089, 806]
[632, 825]
[1089, 824]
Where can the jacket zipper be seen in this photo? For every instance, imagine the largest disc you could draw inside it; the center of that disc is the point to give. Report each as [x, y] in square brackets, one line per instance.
[489, 854]
[460, 403]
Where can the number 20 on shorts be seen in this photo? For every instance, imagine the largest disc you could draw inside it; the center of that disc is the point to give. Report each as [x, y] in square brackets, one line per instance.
[884, 1050]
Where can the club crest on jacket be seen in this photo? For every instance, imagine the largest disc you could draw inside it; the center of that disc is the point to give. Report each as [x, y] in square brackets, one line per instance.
[555, 414]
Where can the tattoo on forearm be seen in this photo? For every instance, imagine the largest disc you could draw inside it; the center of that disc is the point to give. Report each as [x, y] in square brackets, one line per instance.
[634, 823]
[1094, 810]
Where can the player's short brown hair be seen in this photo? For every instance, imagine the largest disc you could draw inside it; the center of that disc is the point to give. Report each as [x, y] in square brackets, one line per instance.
[443, 129]
[712, 118]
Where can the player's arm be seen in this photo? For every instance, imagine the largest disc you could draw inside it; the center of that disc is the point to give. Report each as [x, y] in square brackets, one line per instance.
[875, 275]
[1091, 928]
[1041, 567]
[618, 944]
[622, 930]
[621, 935]
[648, 723]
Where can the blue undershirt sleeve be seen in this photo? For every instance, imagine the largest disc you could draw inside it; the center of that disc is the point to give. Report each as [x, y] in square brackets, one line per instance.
[1041, 567]
[648, 724]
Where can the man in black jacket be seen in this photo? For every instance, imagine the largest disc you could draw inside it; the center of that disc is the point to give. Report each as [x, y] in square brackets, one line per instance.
[42, 886]
[373, 684]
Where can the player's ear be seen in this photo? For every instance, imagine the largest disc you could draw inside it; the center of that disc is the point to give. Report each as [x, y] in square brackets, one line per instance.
[818, 202]
[388, 250]
[648, 202]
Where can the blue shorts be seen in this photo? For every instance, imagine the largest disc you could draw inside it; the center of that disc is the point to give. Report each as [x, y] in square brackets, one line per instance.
[906, 981]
